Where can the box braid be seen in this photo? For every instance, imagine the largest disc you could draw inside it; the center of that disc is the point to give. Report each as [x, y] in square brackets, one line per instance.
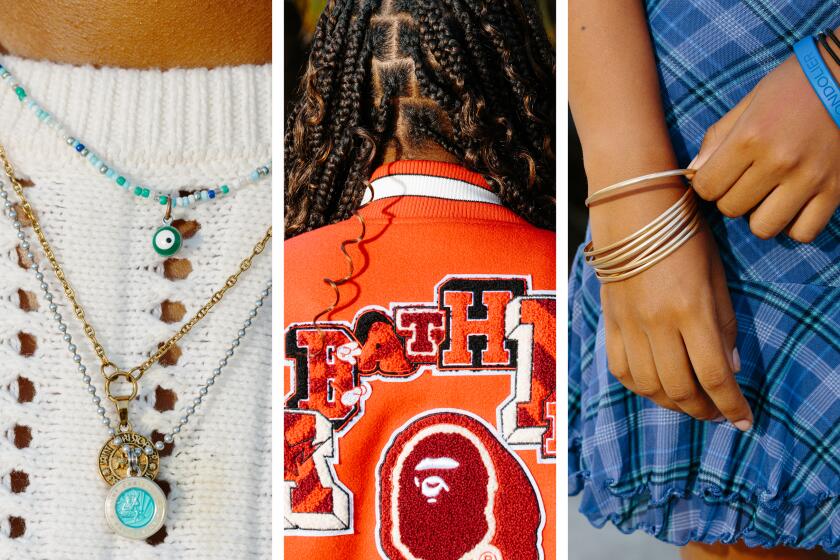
[475, 77]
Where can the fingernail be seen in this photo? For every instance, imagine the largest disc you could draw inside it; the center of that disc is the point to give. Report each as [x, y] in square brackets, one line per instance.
[736, 360]
[743, 425]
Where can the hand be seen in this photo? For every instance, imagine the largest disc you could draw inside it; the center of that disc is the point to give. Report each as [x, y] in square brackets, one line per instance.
[776, 153]
[671, 335]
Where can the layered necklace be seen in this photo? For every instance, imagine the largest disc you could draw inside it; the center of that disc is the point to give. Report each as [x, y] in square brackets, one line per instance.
[166, 239]
[128, 461]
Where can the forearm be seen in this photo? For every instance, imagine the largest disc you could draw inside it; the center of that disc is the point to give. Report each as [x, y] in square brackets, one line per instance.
[616, 104]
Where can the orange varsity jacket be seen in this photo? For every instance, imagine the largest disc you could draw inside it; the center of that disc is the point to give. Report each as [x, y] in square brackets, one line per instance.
[419, 418]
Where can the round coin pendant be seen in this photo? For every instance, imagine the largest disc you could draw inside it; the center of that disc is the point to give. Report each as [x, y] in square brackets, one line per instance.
[166, 241]
[113, 462]
[135, 507]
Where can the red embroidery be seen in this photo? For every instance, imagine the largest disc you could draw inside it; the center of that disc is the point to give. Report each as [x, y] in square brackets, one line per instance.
[308, 495]
[315, 502]
[448, 488]
[474, 326]
[324, 371]
[523, 420]
[382, 349]
[462, 328]
[550, 439]
[424, 329]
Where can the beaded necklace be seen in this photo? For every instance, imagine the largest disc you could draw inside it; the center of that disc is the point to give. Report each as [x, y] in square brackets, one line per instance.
[128, 461]
[166, 240]
[135, 506]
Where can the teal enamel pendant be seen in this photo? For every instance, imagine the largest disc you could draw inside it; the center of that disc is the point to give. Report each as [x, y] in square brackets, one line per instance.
[135, 508]
[166, 241]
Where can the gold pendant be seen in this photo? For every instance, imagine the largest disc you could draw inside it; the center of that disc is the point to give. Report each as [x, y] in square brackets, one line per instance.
[114, 462]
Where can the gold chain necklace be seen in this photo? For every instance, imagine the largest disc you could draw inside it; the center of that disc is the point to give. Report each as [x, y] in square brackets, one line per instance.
[128, 462]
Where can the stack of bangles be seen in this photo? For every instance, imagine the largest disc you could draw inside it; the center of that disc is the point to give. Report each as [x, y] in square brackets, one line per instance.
[650, 244]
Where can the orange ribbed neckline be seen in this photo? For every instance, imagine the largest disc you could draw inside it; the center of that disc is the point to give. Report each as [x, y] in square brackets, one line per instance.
[432, 169]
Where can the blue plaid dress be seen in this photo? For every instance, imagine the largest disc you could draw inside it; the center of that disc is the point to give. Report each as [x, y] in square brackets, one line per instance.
[643, 467]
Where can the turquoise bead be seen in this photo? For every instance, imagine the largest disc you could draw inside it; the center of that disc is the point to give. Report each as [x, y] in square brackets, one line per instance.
[135, 508]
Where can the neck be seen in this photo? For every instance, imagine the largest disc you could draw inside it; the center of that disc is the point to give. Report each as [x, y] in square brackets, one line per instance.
[176, 33]
[428, 151]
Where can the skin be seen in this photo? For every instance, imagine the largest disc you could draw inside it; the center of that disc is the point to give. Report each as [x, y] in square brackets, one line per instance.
[763, 161]
[153, 34]
[670, 331]
[427, 150]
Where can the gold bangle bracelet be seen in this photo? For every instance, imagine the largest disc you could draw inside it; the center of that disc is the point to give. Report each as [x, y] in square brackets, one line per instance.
[627, 261]
[643, 236]
[649, 244]
[688, 234]
[653, 256]
[606, 191]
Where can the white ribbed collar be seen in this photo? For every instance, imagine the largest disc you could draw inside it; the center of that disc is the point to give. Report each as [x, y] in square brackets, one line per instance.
[430, 187]
[150, 123]
[429, 179]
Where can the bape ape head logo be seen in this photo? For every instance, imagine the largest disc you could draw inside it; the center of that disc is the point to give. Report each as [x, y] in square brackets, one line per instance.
[448, 489]
[433, 485]
[443, 478]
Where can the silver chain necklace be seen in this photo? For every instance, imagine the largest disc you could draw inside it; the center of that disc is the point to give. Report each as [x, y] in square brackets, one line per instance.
[135, 506]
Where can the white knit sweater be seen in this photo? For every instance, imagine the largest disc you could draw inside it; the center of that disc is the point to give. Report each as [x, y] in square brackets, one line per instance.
[167, 129]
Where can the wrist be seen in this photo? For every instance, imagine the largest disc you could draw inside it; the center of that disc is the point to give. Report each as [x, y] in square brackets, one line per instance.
[822, 80]
[621, 214]
[619, 150]
[609, 157]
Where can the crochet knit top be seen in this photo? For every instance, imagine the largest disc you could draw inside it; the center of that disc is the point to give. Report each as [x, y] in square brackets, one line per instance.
[173, 129]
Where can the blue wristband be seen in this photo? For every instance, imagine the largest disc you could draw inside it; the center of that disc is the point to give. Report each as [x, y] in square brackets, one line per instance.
[814, 67]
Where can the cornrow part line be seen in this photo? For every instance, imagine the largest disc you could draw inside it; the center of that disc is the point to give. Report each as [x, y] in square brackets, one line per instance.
[478, 90]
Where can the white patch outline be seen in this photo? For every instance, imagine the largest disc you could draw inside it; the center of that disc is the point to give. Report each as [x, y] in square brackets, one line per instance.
[342, 496]
[521, 381]
[554, 438]
[492, 429]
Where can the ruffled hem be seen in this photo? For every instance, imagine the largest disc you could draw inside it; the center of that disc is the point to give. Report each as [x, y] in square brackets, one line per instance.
[706, 511]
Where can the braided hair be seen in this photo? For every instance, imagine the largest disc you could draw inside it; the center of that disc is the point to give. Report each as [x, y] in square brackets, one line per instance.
[474, 77]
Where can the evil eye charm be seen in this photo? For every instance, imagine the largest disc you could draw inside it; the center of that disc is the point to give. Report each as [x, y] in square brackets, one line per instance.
[166, 241]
